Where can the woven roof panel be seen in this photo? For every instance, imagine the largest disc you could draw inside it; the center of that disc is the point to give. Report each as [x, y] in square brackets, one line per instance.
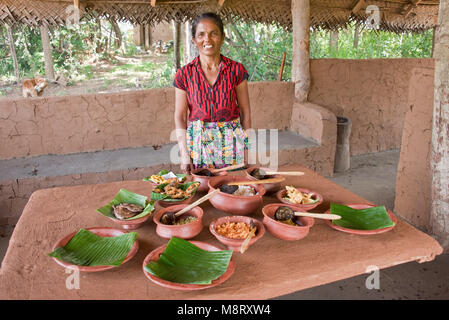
[396, 15]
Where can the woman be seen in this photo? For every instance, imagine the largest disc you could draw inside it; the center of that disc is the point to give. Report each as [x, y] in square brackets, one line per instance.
[212, 108]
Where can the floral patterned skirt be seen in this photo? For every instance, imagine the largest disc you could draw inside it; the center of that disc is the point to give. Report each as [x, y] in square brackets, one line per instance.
[216, 144]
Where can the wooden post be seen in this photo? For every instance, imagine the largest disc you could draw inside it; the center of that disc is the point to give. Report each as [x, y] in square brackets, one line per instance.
[355, 44]
[282, 66]
[13, 51]
[333, 42]
[48, 58]
[301, 55]
[191, 51]
[177, 43]
[439, 159]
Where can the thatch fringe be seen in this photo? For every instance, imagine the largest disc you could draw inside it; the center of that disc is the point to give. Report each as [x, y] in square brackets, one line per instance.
[325, 14]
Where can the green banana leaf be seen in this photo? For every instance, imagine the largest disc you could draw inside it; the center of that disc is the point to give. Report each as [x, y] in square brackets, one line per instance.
[89, 249]
[130, 197]
[361, 219]
[183, 262]
[161, 196]
[181, 176]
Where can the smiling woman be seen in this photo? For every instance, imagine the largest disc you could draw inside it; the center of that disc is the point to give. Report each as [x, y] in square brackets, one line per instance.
[212, 109]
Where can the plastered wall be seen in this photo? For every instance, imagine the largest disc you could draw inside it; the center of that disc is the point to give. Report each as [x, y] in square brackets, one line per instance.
[93, 122]
[373, 93]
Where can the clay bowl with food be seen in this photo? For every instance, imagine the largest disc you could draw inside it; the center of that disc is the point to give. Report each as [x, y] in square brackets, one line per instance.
[318, 198]
[253, 173]
[233, 227]
[201, 176]
[282, 230]
[180, 228]
[131, 224]
[232, 203]
[171, 203]
[128, 209]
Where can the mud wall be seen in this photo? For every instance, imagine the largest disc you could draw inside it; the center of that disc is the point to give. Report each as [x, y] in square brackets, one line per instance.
[93, 122]
[373, 93]
[413, 182]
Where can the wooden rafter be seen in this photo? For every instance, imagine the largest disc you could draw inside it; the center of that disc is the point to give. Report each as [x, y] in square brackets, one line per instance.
[221, 2]
[408, 8]
[358, 6]
[153, 3]
[76, 4]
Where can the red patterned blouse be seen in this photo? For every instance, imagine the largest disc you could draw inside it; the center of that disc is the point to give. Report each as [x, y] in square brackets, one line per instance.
[208, 103]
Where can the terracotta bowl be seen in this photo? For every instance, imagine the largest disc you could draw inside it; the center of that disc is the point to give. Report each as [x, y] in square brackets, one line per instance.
[204, 180]
[155, 254]
[269, 187]
[305, 207]
[362, 232]
[166, 204]
[284, 231]
[102, 232]
[184, 231]
[131, 224]
[233, 204]
[236, 244]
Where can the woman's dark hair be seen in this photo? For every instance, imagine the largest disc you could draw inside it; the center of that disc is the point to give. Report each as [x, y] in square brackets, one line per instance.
[207, 15]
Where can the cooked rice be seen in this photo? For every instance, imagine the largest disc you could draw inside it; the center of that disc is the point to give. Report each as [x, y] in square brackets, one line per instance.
[245, 191]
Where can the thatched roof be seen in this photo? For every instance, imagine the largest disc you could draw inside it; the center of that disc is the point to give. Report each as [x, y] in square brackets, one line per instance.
[396, 15]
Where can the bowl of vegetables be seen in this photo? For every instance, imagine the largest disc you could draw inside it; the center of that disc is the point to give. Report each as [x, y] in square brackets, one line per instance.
[186, 226]
[286, 229]
[303, 199]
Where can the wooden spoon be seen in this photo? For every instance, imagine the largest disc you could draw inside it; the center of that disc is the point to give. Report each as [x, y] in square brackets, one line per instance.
[251, 234]
[235, 166]
[272, 180]
[283, 173]
[170, 216]
[326, 216]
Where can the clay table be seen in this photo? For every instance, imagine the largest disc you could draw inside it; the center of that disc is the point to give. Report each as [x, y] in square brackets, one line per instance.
[324, 256]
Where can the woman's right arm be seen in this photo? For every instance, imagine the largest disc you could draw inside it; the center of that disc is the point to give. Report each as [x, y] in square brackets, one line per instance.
[181, 112]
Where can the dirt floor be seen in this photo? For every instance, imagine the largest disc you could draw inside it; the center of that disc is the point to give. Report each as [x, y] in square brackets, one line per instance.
[372, 176]
[119, 73]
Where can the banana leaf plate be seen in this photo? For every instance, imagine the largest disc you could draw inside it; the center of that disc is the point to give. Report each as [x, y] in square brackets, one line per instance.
[156, 254]
[360, 206]
[97, 231]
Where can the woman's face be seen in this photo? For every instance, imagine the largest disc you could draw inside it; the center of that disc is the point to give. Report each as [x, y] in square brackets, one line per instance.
[208, 38]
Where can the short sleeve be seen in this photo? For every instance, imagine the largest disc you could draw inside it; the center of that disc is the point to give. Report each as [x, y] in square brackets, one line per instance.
[180, 80]
[242, 74]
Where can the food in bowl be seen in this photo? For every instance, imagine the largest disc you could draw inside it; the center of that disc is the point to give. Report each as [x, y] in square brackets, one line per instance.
[286, 215]
[165, 176]
[234, 230]
[175, 190]
[126, 210]
[295, 196]
[206, 173]
[260, 174]
[170, 219]
[245, 191]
